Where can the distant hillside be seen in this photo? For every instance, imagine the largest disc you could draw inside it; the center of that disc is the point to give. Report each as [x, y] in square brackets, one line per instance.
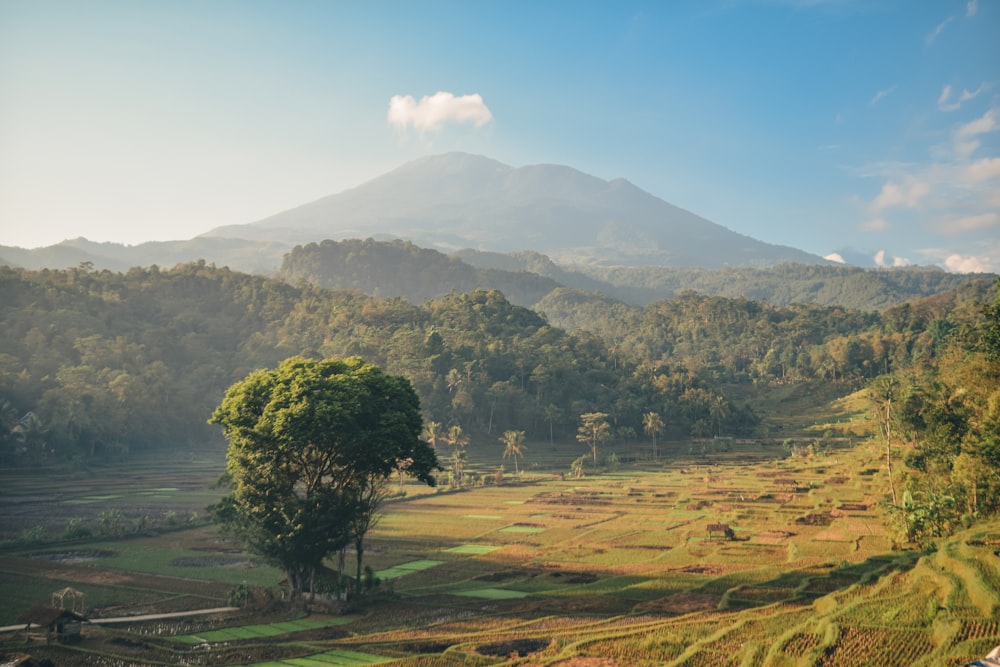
[401, 269]
[458, 200]
[781, 285]
[261, 257]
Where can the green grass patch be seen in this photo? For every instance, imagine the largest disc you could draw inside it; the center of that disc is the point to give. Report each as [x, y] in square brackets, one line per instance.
[492, 594]
[407, 568]
[482, 516]
[263, 630]
[472, 549]
[337, 658]
[88, 500]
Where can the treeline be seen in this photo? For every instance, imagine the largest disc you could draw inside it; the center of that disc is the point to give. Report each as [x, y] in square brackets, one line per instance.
[97, 364]
[784, 284]
[943, 420]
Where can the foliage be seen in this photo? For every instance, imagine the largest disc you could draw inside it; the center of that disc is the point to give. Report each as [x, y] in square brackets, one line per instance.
[311, 445]
[594, 431]
[950, 413]
[514, 446]
[97, 365]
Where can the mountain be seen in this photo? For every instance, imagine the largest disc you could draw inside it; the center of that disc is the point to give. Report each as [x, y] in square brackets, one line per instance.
[457, 200]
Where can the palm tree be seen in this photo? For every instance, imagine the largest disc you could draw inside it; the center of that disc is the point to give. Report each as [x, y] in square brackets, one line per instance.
[719, 412]
[514, 446]
[432, 433]
[459, 459]
[652, 423]
[457, 437]
[552, 413]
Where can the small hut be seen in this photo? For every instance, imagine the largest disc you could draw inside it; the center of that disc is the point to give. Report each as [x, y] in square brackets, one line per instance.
[59, 624]
[721, 530]
[77, 600]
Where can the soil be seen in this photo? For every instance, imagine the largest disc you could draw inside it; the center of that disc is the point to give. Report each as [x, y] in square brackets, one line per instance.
[520, 646]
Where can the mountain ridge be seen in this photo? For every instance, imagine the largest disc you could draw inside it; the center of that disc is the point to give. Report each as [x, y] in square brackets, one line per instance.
[459, 200]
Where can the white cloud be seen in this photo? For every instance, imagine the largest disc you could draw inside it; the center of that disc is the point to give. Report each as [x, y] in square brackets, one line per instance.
[954, 194]
[881, 95]
[929, 39]
[883, 259]
[944, 100]
[980, 171]
[432, 112]
[985, 123]
[967, 264]
[971, 8]
[907, 194]
[945, 94]
[966, 95]
[965, 136]
[835, 257]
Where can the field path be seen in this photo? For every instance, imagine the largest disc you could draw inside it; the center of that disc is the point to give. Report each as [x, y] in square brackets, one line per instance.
[144, 617]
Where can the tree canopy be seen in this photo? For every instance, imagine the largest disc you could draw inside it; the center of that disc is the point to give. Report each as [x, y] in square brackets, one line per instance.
[311, 446]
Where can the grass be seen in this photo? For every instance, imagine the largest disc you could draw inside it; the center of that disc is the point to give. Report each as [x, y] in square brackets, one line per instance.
[472, 549]
[259, 630]
[492, 594]
[338, 658]
[407, 568]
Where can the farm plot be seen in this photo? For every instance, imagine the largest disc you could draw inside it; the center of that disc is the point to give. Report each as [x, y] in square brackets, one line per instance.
[336, 658]
[618, 567]
[259, 630]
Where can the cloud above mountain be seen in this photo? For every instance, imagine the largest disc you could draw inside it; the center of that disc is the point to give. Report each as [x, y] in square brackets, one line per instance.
[435, 111]
[953, 194]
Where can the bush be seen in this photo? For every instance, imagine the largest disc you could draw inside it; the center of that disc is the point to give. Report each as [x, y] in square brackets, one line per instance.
[76, 529]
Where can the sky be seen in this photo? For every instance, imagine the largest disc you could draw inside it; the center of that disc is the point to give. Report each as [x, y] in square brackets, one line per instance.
[865, 130]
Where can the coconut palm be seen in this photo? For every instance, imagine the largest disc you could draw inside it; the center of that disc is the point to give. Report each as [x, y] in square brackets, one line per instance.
[457, 437]
[432, 433]
[513, 446]
[652, 423]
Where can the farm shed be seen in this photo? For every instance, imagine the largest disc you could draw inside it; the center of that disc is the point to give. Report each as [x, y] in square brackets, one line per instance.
[722, 529]
[60, 624]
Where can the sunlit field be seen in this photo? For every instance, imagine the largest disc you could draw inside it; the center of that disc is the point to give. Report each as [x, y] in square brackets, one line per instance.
[542, 569]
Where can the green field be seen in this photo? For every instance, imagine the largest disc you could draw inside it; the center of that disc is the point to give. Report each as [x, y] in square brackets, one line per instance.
[616, 566]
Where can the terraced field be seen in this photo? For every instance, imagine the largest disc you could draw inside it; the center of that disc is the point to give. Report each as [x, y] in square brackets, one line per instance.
[619, 567]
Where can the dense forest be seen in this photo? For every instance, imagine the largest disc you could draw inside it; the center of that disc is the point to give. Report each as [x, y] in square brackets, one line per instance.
[95, 364]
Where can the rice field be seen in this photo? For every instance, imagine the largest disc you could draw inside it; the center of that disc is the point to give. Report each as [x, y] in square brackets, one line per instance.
[618, 566]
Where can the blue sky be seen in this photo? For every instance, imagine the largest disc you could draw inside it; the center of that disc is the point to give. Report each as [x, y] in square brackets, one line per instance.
[865, 127]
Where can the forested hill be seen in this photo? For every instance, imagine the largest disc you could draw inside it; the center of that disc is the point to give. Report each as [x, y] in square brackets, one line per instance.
[400, 268]
[95, 364]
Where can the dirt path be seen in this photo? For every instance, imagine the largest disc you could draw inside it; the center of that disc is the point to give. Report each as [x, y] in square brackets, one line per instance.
[145, 617]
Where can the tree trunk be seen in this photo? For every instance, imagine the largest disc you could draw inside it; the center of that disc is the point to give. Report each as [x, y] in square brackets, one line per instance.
[888, 448]
[359, 550]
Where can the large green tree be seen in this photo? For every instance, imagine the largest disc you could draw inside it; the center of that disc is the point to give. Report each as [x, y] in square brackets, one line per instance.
[311, 444]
